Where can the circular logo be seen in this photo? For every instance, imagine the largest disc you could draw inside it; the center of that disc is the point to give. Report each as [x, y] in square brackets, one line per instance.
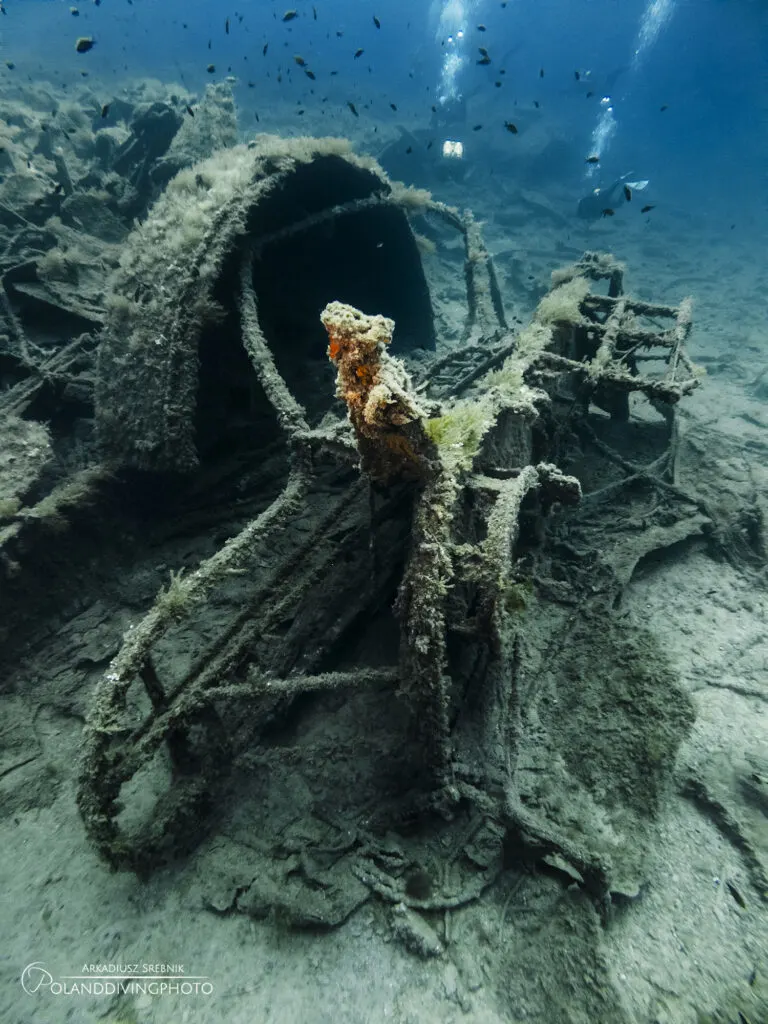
[34, 976]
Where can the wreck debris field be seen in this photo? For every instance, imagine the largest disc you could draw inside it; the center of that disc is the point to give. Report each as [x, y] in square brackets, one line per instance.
[383, 514]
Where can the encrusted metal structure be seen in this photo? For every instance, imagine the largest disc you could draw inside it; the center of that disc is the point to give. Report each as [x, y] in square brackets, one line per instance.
[455, 512]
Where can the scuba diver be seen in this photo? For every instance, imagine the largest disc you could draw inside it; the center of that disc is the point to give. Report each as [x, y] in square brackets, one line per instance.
[449, 120]
[451, 23]
[602, 202]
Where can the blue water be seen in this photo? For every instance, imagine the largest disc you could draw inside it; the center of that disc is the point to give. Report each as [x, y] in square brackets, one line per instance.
[706, 61]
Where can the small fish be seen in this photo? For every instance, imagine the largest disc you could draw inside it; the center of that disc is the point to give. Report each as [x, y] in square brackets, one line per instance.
[84, 43]
[359, 53]
[314, 13]
[512, 128]
[74, 12]
[482, 50]
[256, 115]
[497, 84]
[393, 105]
[10, 65]
[409, 150]
[310, 74]
[299, 60]
[628, 193]
[476, 127]
[648, 208]
[264, 49]
[664, 107]
[189, 110]
[484, 61]
[593, 159]
[290, 15]
[376, 22]
[353, 108]
[339, 35]
[590, 95]
[105, 110]
[536, 104]
[577, 75]
[541, 72]
[430, 144]
[607, 212]
[211, 68]
[226, 26]
[481, 28]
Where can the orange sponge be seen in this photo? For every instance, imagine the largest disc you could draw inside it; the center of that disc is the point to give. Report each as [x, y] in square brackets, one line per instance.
[378, 392]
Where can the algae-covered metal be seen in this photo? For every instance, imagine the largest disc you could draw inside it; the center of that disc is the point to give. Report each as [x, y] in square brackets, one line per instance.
[320, 223]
